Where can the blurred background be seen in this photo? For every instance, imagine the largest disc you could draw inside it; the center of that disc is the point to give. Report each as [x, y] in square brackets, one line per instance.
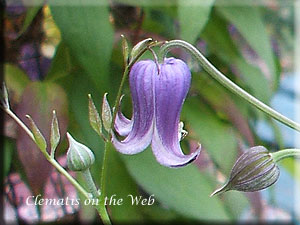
[57, 53]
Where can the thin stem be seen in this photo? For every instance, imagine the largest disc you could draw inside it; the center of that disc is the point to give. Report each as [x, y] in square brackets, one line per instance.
[103, 182]
[221, 78]
[277, 156]
[103, 213]
[117, 101]
[90, 183]
[19, 122]
[51, 160]
[69, 177]
[100, 207]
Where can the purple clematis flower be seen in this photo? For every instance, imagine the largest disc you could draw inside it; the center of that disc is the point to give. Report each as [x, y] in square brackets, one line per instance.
[157, 95]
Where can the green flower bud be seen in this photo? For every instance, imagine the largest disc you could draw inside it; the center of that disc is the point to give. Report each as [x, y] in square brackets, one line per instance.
[79, 157]
[254, 170]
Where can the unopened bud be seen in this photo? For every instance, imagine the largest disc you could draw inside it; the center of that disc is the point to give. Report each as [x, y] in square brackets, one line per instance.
[79, 157]
[253, 171]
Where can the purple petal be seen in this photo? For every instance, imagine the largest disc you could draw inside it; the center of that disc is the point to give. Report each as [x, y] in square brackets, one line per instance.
[171, 88]
[122, 125]
[141, 80]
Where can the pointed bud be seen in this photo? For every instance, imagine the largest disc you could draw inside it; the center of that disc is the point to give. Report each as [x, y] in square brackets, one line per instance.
[125, 50]
[38, 137]
[79, 157]
[54, 135]
[254, 170]
[94, 117]
[106, 114]
[140, 47]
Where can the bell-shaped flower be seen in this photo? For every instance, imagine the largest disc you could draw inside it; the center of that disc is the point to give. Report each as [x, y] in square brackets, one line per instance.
[158, 93]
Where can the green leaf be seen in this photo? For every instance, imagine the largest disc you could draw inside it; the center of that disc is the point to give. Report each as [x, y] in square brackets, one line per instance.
[38, 137]
[120, 183]
[106, 113]
[214, 135]
[94, 117]
[249, 22]
[86, 30]
[54, 135]
[185, 190]
[193, 16]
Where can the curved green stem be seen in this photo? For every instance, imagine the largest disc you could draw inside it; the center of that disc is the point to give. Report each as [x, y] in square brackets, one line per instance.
[221, 78]
[277, 156]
